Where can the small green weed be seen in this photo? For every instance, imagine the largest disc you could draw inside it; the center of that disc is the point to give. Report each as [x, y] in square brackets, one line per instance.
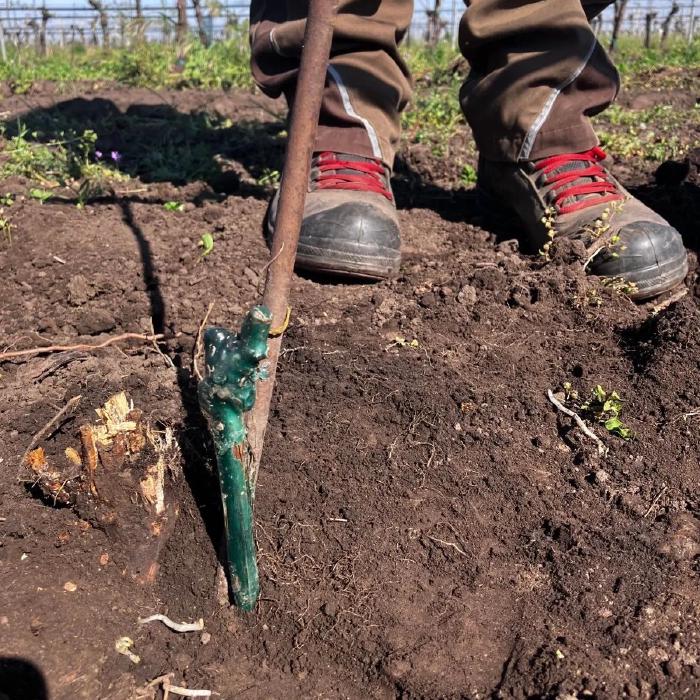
[620, 285]
[269, 177]
[6, 226]
[206, 243]
[468, 175]
[549, 222]
[174, 206]
[603, 407]
[40, 195]
[70, 162]
[401, 342]
[653, 134]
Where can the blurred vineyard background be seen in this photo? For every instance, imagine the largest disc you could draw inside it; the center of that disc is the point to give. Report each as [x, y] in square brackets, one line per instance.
[46, 24]
[204, 43]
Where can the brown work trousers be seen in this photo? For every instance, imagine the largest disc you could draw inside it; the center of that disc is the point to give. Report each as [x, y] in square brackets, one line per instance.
[537, 73]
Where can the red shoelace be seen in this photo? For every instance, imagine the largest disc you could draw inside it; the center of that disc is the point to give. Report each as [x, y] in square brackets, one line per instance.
[366, 176]
[563, 189]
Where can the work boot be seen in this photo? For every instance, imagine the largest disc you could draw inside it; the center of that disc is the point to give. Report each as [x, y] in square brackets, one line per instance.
[574, 195]
[350, 227]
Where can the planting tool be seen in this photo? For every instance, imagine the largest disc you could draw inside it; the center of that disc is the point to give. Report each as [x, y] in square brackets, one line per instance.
[236, 362]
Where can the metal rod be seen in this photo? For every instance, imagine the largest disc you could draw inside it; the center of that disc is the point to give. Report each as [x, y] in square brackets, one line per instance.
[295, 178]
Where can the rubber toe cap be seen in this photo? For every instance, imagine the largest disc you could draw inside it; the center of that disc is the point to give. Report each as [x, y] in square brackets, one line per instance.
[649, 254]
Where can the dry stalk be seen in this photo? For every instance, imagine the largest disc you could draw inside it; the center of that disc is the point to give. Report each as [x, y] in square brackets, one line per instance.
[655, 501]
[197, 350]
[83, 347]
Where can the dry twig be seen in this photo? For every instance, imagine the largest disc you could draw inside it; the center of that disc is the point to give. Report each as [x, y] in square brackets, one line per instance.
[197, 350]
[156, 347]
[261, 279]
[602, 449]
[80, 346]
[68, 408]
[447, 544]
[185, 692]
[656, 500]
[164, 682]
[665, 303]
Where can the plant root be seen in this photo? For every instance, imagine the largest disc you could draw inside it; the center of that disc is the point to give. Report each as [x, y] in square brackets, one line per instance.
[83, 347]
[602, 449]
[175, 626]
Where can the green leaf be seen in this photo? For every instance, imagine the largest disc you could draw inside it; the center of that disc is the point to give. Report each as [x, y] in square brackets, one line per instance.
[613, 424]
[174, 206]
[617, 427]
[206, 243]
[39, 194]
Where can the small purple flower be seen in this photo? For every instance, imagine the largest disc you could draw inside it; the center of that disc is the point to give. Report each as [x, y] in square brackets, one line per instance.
[116, 156]
[98, 155]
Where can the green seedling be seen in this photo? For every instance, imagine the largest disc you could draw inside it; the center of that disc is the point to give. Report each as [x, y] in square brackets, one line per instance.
[40, 195]
[400, 342]
[206, 243]
[6, 225]
[605, 408]
[468, 175]
[548, 221]
[234, 364]
[174, 206]
[269, 177]
[620, 285]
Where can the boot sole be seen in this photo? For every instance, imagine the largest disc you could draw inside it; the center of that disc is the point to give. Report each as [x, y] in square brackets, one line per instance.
[657, 279]
[650, 281]
[353, 266]
[347, 265]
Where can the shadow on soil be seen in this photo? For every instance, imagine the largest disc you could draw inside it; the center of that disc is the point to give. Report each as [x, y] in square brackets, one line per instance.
[21, 680]
[196, 449]
[159, 143]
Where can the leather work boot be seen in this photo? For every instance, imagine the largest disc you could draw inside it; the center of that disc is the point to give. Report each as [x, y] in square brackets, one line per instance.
[350, 227]
[574, 195]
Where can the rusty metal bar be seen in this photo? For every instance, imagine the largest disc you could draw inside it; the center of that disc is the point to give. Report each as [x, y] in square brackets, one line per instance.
[295, 177]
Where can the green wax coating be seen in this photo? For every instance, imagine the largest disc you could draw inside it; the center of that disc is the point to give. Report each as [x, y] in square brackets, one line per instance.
[226, 393]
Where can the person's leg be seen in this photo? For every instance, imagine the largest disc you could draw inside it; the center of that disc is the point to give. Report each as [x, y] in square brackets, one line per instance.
[537, 75]
[350, 226]
[368, 82]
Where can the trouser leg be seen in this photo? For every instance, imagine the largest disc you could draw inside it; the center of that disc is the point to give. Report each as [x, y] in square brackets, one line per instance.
[368, 84]
[537, 75]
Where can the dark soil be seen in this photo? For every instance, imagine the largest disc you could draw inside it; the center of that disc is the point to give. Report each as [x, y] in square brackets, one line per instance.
[429, 526]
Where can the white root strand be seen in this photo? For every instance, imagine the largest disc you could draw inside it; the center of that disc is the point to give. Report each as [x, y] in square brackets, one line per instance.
[186, 692]
[176, 626]
[602, 449]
